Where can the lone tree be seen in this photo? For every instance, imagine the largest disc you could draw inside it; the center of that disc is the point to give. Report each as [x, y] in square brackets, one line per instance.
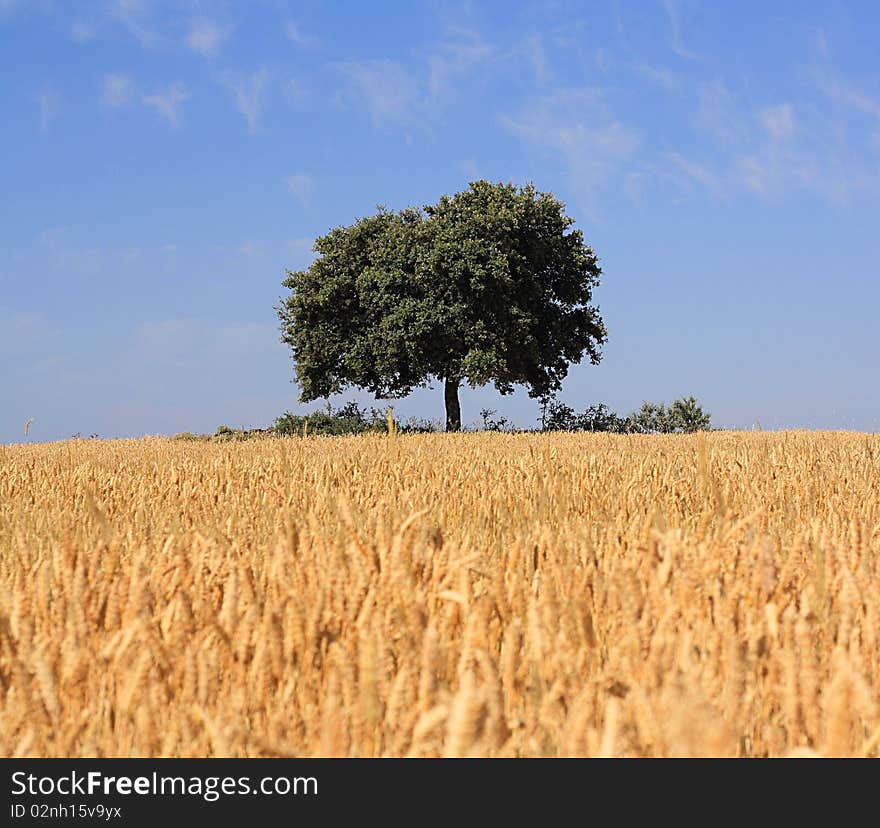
[488, 285]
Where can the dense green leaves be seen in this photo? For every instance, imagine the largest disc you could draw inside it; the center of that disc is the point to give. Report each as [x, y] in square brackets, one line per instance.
[684, 416]
[488, 285]
[561, 417]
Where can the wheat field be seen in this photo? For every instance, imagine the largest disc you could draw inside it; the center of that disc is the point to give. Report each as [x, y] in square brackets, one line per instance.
[442, 595]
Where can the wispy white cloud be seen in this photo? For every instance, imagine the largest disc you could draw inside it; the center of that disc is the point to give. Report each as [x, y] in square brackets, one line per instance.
[206, 37]
[22, 330]
[635, 184]
[133, 16]
[79, 260]
[673, 175]
[602, 59]
[49, 103]
[533, 50]
[810, 148]
[104, 17]
[182, 340]
[301, 186]
[63, 251]
[720, 114]
[675, 16]
[169, 102]
[294, 33]
[385, 88]
[768, 151]
[295, 92]
[573, 127]
[82, 32]
[691, 170]
[658, 75]
[771, 151]
[249, 94]
[415, 94]
[116, 90]
[91, 260]
[821, 43]
[773, 169]
[52, 237]
[849, 94]
[455, 59]
[470, 169]
[779, 122]
[758, 176]
[23, 325]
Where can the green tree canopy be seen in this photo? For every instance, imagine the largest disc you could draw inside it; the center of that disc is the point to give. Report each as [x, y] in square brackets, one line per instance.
[488, 285]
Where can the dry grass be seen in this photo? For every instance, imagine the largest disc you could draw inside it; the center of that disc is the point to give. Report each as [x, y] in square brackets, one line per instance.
[442, 595]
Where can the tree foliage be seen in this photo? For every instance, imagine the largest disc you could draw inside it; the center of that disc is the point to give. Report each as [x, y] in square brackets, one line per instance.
[491, 285]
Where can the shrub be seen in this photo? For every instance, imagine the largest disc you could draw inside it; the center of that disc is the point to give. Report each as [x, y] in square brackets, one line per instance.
[684, 416]
[561, 417]
[419, 425]
[225, 433]
[652, 418]
[349, 419]
[688, 416]
[501, 424]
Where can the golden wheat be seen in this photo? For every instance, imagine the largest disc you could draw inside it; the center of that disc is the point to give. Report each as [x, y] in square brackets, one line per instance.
[442, 595]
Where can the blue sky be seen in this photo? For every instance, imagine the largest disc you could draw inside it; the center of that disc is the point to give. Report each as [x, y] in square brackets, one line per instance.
[164, 162]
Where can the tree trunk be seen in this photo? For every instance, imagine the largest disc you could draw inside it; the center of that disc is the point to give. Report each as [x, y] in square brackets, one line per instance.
[453, 408]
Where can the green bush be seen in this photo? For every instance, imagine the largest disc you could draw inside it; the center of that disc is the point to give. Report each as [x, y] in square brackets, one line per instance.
[225, 433]
[490, 424]
[349, 419]
[684, 416]
[561, 417]
[419, 425]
